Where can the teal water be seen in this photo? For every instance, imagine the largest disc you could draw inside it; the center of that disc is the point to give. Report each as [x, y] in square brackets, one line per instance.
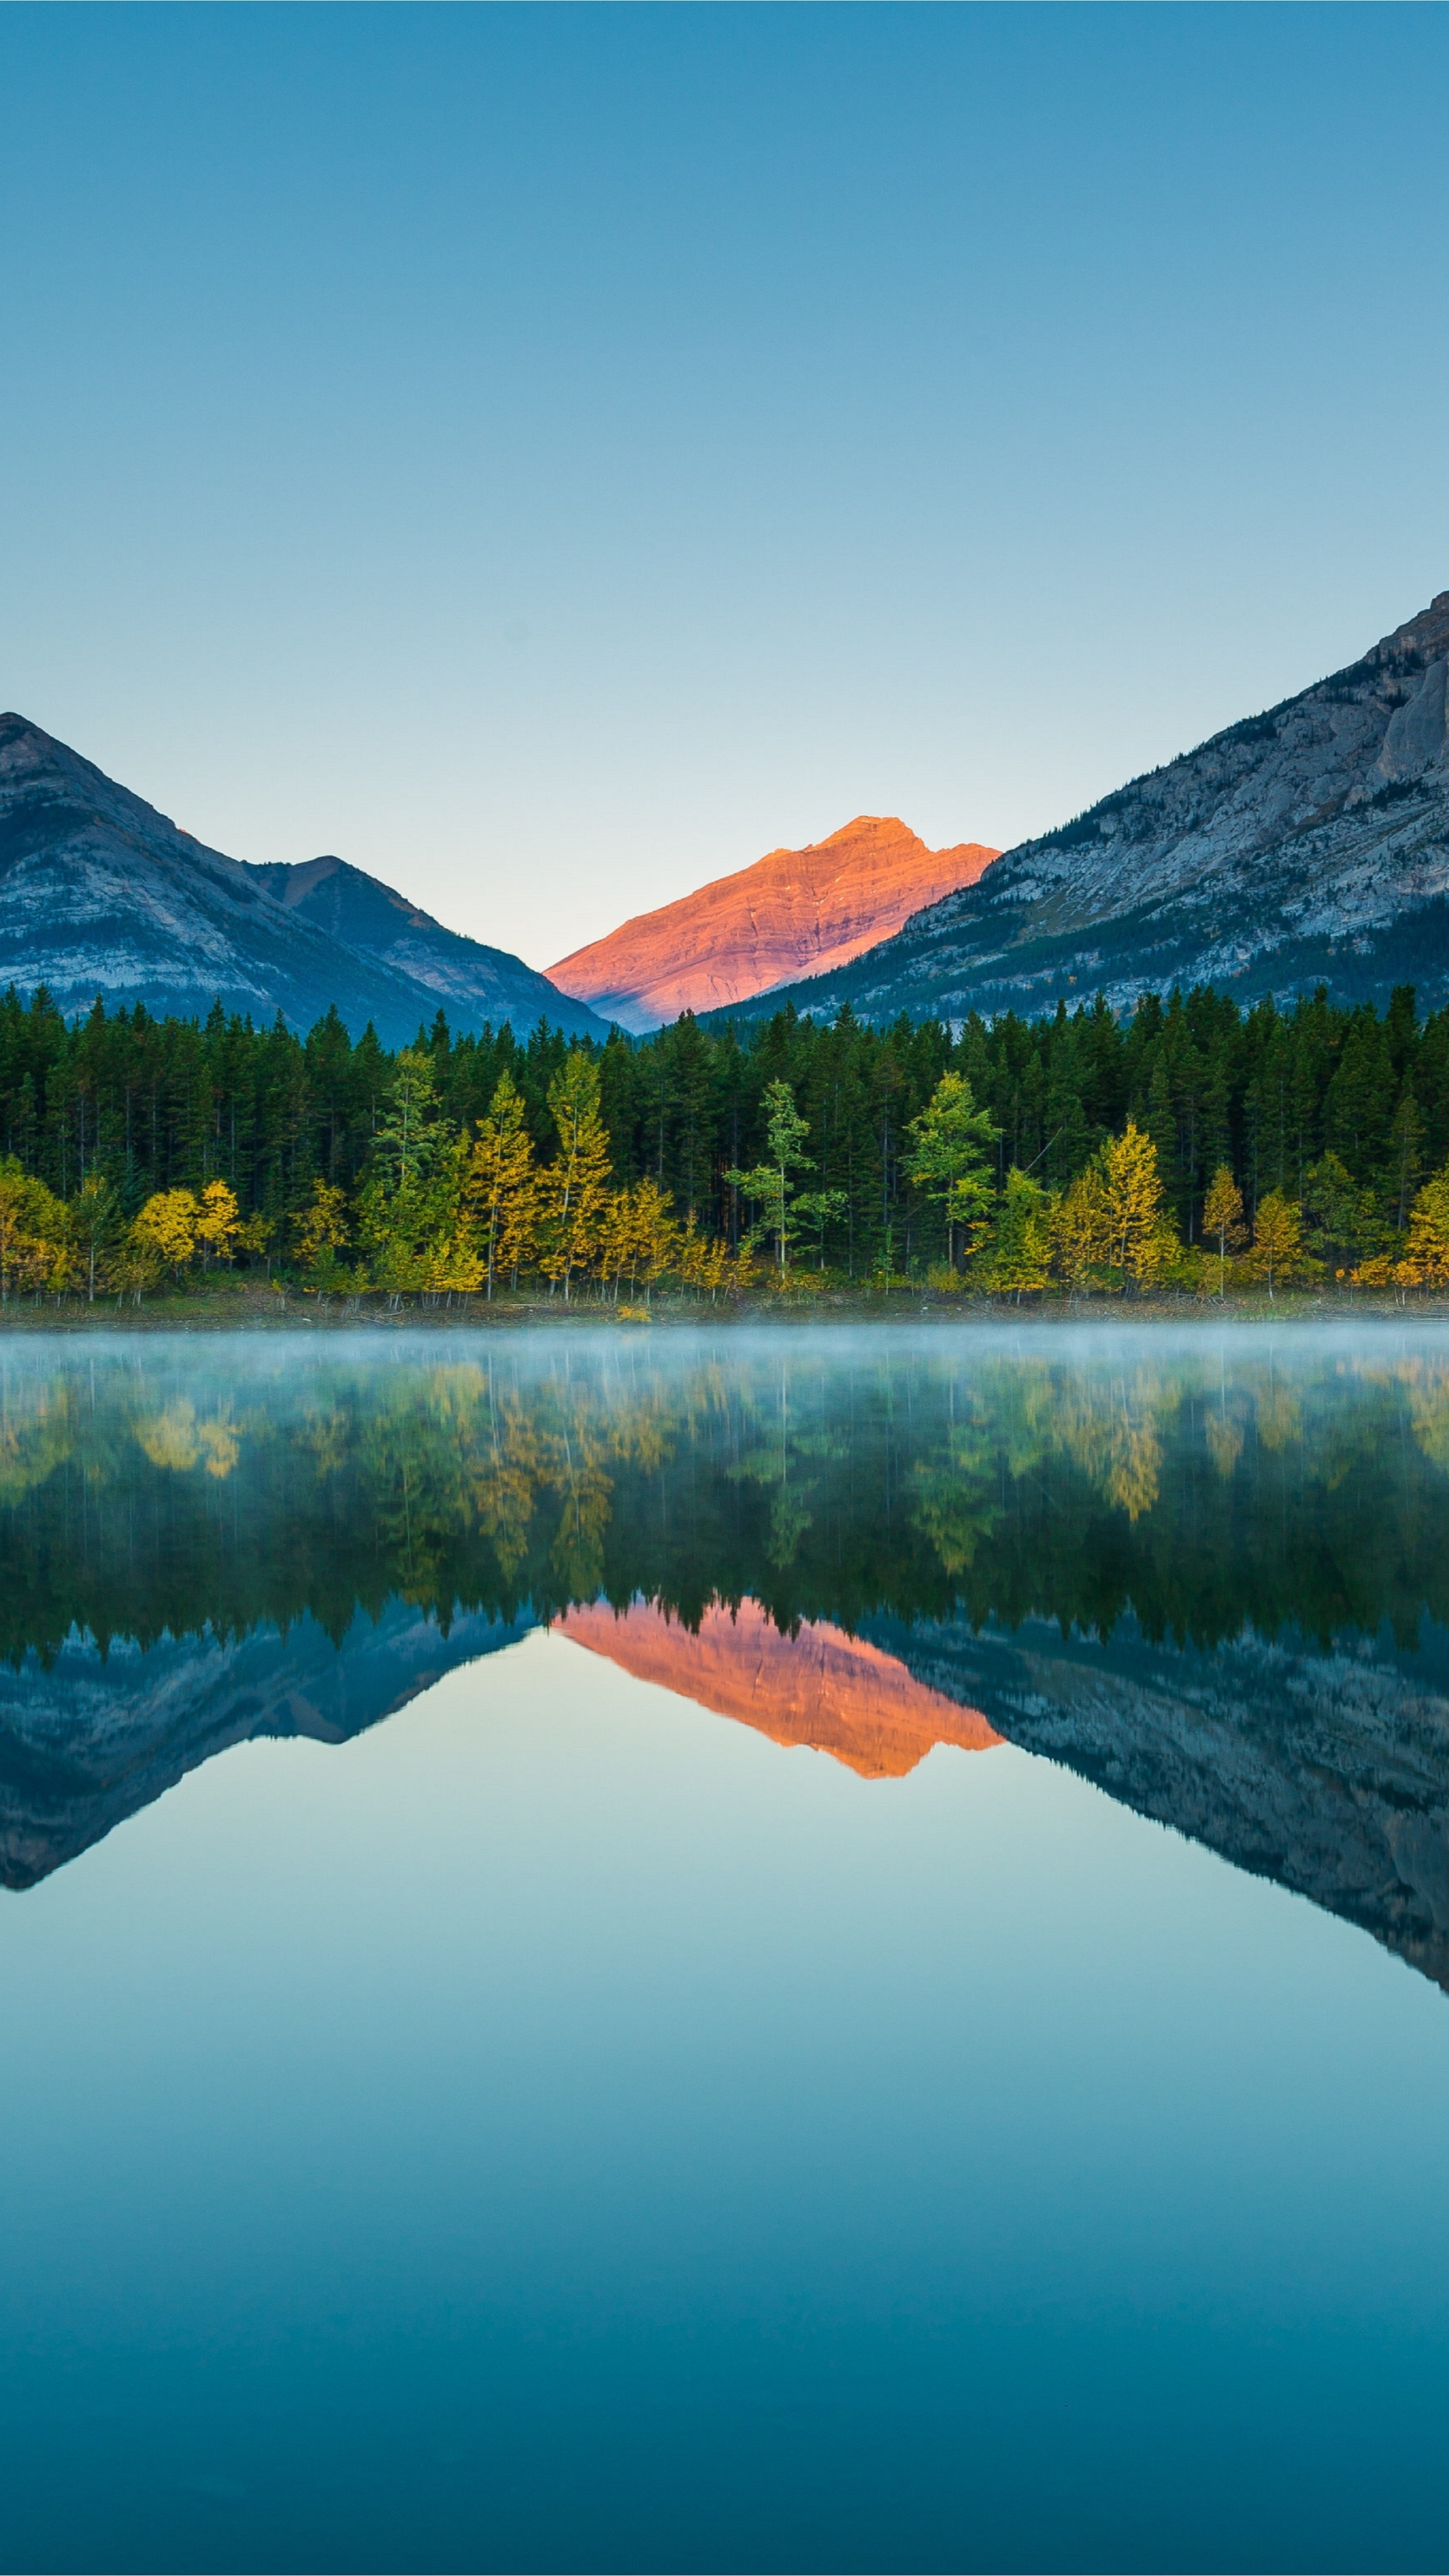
[945, 2067]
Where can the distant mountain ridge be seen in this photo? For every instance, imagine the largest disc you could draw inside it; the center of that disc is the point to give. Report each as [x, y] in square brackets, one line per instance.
[101, 894]
[793, 911]
[469, 981]
[1306, 845]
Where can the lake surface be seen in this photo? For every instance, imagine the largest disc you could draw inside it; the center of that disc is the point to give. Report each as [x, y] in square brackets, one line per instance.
[765, 1951]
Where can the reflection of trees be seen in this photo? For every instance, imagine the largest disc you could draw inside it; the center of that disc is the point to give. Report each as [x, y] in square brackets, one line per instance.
[37, 1433]
[141, 1491]
[180, 1438]
[955, 1505]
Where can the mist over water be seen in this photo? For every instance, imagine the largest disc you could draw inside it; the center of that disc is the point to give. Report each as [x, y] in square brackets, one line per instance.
[745, 1950]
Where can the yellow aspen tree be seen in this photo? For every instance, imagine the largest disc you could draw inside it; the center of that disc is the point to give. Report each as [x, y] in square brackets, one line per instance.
[656, 1234]
[1277, 1255]
[32, 1231]
[1132, 1199]
[1222, 1220]
[322, 1227]
[1016, 1255]
[1426, 1254]
[498, 1191]
[166, 1227]
[703, 1262]
[218, 1222]
[574, 1187]
[615, 1247]
[1078, 1230]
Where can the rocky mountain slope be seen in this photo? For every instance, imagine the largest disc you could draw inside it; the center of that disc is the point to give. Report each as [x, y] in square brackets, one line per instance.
[1306, 845]
[101, 894]
[794, 912]
[467, 980]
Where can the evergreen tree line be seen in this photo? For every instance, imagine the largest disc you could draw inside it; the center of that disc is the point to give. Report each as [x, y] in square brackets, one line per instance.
[1190, 1143]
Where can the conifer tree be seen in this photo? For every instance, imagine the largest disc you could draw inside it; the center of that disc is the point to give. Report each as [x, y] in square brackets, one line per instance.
[95, 1224]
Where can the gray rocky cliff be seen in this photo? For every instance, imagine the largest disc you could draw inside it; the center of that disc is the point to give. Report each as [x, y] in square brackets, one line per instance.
[102, 895]
[1309, 844]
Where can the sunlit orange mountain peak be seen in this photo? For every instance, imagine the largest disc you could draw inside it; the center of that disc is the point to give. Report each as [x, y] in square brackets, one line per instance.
[820, 1687]
[794, 913]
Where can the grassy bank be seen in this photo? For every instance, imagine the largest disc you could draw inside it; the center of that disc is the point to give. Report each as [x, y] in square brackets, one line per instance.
[242, 1304]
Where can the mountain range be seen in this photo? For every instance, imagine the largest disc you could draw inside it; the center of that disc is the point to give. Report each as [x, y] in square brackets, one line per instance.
[794, 912]
[1324, 1771]
[100, 894]
[1306, 845]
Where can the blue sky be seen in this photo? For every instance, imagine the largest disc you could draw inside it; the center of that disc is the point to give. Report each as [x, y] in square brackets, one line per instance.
[551, 456]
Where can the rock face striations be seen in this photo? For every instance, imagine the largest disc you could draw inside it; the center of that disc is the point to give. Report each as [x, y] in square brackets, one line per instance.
[796, 912]
[1307, 845]
[100, 894]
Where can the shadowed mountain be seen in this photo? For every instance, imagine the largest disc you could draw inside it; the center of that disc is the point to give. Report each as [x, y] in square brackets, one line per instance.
[1325, 1772]
[1307, 845]
[101, 895]
[794, 912]
[838, 1694]
[88, 1739]
[468, 981]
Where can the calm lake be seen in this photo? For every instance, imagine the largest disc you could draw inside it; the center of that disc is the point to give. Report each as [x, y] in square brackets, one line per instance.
[770, 1951]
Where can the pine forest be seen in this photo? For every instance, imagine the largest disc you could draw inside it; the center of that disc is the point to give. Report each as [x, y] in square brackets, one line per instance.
[1193, 1147]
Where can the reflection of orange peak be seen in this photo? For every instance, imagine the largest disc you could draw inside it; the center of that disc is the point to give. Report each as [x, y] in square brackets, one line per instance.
[795, 912]
[820, 1688]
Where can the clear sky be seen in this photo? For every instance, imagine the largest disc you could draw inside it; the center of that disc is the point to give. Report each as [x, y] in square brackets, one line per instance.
[551, 456]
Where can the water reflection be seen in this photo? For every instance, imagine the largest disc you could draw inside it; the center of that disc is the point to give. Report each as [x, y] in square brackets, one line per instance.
[818, 1687]
[1210, 1574]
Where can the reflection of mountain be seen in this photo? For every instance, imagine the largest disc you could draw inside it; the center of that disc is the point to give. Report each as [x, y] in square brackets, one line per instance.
[964, 1510]
[820, 1687]
[1328, 1772]
[87, 1740]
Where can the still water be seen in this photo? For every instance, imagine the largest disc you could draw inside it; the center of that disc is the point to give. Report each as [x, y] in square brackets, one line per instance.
[763, 1952]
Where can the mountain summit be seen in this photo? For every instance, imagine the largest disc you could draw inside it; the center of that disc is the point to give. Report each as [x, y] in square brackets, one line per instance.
[469, 982]
[794, 912]
[1307, 845]
[100, 894]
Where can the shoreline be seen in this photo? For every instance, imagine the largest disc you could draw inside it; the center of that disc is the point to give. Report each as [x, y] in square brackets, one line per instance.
[270, 1310]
